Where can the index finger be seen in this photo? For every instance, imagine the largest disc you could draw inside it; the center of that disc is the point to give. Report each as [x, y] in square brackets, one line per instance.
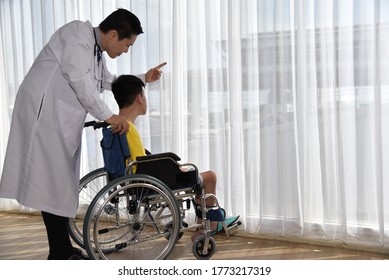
[161, 65]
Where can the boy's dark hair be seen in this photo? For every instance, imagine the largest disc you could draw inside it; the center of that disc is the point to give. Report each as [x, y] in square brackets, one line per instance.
[124, 22]
[125, 89]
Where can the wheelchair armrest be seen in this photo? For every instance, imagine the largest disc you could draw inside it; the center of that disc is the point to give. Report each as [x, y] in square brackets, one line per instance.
[165, 167]
[157, 156]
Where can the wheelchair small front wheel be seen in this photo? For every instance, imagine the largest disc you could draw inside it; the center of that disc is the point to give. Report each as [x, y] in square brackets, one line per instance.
[198, 248]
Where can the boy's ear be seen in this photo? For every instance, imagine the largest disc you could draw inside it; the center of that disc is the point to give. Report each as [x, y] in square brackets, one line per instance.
[139, 98]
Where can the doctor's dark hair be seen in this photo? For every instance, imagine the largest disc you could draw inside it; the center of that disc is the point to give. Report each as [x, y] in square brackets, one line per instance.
[124, 22]
[125, 89]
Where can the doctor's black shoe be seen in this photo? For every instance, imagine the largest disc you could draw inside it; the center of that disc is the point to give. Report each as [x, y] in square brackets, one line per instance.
[78, 255]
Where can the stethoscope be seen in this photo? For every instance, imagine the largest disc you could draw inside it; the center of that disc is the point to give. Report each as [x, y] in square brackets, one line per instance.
[99, 72]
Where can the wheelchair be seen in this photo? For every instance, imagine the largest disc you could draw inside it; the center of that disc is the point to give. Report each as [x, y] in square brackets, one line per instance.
[141, 215]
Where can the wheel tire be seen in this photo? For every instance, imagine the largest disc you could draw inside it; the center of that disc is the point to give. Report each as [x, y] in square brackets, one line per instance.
[122, 236]
[198, 246]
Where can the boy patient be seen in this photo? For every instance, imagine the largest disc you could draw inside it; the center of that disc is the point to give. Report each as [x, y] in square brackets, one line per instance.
[130, 97]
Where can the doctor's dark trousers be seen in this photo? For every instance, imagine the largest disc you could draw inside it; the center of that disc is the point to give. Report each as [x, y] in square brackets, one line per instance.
[57, 233]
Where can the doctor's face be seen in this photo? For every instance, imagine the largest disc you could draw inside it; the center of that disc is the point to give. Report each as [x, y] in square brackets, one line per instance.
[116, 47]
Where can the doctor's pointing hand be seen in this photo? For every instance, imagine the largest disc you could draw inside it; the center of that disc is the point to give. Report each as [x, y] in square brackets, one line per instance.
[154, 74]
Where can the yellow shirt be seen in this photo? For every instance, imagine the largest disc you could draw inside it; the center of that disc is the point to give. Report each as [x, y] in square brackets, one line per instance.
[134, 144]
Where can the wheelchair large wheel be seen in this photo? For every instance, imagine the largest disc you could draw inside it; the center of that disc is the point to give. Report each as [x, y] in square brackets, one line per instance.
[89, 186]
[126, 220]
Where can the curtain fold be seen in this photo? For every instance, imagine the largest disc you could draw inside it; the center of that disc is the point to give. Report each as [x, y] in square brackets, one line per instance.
[286, 101]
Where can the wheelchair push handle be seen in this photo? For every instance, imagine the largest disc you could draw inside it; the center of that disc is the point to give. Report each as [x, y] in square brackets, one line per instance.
[88, 124]
[96, 125]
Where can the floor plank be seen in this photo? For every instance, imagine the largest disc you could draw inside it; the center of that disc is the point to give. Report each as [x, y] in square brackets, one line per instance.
[23, 237]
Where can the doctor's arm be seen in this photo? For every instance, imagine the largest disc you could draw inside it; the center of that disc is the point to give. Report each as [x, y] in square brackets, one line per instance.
[153, 75]
[75, 56]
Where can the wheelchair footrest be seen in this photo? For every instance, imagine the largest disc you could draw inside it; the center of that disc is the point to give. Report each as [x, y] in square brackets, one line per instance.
[231, 225]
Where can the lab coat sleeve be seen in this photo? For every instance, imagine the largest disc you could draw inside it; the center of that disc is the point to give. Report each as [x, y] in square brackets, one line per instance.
[76, 61]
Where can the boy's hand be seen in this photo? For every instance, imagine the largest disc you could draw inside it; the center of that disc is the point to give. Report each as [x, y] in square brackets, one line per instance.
[118, 123]
[154, 74]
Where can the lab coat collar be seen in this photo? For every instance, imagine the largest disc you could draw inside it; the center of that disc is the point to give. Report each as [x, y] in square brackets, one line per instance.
[98, 37]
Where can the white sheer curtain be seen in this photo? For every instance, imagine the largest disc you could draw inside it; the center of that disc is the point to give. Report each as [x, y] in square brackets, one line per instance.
[286, 101]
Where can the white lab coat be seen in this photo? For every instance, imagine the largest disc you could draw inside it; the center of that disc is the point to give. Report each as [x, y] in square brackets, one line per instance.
[41, 168]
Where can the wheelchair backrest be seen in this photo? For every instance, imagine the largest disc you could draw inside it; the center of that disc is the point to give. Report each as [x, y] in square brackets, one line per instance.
[115, 153]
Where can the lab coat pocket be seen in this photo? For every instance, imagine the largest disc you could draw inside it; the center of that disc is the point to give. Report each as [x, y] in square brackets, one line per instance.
[70, 122]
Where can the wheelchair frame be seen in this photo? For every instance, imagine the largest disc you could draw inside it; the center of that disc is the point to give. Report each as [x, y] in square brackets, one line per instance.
[138, 216]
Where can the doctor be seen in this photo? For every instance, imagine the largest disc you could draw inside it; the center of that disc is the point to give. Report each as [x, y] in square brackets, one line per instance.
[41, 168]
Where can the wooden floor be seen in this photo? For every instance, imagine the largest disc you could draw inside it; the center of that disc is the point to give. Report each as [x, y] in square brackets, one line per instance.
[23, 237]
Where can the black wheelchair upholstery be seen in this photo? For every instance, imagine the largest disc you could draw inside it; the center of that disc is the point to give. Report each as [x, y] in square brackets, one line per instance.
[164, 166]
